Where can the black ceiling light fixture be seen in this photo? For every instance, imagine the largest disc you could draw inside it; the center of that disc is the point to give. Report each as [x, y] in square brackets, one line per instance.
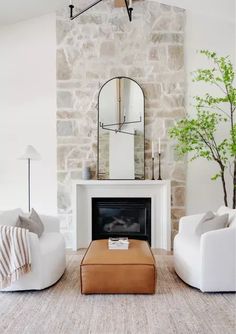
[128, 5]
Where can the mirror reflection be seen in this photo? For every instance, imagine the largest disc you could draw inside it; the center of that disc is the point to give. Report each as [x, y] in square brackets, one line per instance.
[121, 130]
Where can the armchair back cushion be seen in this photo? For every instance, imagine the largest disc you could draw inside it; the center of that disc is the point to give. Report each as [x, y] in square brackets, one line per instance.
[10, 217]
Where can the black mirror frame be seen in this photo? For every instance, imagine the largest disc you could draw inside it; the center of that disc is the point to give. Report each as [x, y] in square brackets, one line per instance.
[122, 77]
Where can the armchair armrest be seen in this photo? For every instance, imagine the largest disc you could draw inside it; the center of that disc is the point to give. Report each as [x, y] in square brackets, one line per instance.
[188, 224]
[218, 258]
[51, 223]
[34, 247]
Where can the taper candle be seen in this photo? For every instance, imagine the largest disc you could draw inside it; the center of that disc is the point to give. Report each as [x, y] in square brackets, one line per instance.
[153, 150]
[159, 145]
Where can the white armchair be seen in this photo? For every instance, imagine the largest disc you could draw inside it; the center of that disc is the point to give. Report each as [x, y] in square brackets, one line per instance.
[47, 257]
[207, 262]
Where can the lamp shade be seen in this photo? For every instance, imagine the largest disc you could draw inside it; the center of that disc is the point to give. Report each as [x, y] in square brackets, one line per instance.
[30, 153]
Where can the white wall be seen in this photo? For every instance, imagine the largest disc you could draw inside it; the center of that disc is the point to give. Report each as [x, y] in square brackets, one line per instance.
[210, 25]
[28, 112]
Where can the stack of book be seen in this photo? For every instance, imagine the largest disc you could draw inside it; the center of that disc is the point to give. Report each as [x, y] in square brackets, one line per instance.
[118, 243]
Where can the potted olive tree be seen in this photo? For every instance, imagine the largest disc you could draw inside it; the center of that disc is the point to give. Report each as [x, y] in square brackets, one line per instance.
[199, 135]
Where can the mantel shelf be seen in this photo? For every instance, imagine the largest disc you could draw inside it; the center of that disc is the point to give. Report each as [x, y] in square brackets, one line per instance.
[122, 182]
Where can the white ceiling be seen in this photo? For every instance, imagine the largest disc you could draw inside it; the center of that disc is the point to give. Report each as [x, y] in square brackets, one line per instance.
[12, 11]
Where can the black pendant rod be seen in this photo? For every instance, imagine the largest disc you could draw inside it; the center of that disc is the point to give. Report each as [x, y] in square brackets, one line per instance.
[129, 10]
[72, 17]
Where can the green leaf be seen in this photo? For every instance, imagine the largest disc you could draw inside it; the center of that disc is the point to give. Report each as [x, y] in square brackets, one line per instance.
[215, 177]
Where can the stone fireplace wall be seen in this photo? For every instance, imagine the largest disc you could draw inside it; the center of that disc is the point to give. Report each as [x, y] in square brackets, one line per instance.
[97, 46]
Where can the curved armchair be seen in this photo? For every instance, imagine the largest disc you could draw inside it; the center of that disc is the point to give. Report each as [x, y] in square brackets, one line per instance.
[47, 258]
[207, 262]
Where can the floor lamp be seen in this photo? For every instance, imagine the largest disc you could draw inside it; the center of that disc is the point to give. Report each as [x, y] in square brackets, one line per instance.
[30, 154]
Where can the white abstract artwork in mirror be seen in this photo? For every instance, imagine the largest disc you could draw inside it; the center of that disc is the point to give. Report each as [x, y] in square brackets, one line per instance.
[121, 130]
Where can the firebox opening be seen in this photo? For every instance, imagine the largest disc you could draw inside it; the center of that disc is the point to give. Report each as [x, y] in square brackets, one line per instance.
[121, 217]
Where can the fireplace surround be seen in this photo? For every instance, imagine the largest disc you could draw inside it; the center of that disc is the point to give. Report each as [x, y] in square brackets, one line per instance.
[157, 191]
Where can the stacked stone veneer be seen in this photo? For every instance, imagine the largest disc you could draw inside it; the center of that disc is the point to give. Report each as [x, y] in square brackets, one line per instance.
[97, 46]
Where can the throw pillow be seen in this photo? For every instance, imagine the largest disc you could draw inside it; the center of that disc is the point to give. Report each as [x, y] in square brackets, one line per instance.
[10, 217]
[211, 222]
[35, 217]
[232, 214]
[32, 223]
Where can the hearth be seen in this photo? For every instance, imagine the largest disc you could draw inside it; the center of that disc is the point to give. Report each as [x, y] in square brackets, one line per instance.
[121, 217]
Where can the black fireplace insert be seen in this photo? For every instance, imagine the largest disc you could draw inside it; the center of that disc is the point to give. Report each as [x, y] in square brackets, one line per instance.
[121, 217]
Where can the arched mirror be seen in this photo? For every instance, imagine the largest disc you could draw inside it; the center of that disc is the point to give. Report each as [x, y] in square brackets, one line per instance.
[121, 130]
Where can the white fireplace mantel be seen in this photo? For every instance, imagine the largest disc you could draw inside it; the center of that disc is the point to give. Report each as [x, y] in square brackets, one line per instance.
[158, 191]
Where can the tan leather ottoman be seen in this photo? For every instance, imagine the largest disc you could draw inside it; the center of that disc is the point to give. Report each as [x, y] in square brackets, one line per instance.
[118, 271]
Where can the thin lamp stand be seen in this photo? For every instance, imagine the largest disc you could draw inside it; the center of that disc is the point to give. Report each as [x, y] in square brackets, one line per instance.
[29, 204]
[159, 164]
[153, 177]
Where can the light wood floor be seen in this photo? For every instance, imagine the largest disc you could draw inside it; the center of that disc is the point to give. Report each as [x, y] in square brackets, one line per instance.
[175, 308]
